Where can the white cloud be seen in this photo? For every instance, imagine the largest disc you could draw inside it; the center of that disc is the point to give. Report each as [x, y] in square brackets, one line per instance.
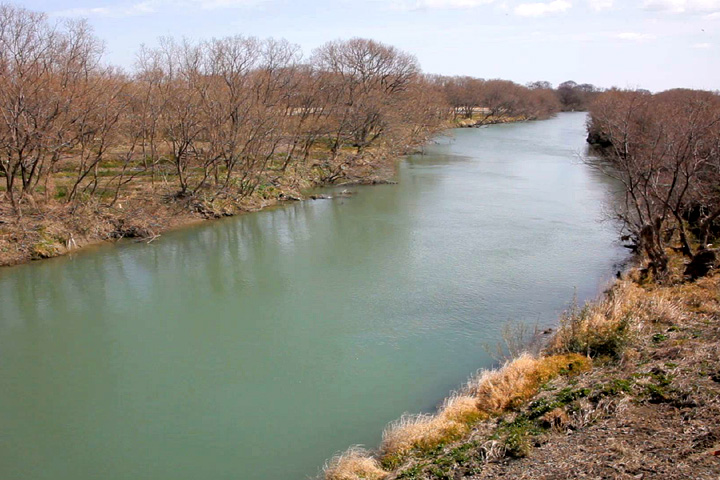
[210, 5]
[84, 12]
[539, 9]
[152, 6]
[635, 37]
[437, 4]
[599, 5]
[453, 3]
[702, 46]
[683, 6]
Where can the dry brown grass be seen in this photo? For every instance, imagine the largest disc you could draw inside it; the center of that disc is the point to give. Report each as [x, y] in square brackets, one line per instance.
[354, 464]
[604, 328]
[425, 432]
[656, 417]
[490, 393]
[700, 297]
[632, 322]
[520, 379]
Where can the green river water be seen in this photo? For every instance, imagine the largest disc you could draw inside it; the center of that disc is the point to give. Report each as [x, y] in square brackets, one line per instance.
[256, 347]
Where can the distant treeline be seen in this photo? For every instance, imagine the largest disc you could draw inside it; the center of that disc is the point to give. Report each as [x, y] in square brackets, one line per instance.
[221, 117]
[665, 149]
[488, 100]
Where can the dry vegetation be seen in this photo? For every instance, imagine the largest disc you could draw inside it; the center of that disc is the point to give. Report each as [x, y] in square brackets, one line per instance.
[204, 129]
[354, 464]
[665, 150]
[197, 130]
[628, 387]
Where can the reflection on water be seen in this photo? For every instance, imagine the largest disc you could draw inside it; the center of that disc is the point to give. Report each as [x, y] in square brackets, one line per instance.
[256, 347]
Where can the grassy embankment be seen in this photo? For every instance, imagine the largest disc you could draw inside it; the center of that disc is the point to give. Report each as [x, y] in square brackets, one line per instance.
[50, 226]
[628, 387]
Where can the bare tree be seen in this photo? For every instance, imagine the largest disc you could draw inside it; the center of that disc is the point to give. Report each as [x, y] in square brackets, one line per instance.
[366, 82]
[45, 74]
[664, 150]
[202, 120]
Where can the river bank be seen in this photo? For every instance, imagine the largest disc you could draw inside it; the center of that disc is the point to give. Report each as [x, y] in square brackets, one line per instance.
[49, 228]
[478, 121]
[628, 387]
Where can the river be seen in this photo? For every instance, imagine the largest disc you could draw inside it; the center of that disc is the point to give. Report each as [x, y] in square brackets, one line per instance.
[254, 348]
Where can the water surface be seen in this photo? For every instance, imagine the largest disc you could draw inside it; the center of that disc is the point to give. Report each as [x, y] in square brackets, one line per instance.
[256, 347]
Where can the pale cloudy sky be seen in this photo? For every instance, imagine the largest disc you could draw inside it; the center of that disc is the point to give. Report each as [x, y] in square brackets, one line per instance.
[653, 44]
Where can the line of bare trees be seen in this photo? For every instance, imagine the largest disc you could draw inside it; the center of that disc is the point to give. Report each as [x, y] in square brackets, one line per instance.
[489, 101]
[218, 117]
[665, 149]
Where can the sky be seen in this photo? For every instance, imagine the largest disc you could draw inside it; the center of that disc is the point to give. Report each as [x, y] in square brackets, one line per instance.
[652, 44]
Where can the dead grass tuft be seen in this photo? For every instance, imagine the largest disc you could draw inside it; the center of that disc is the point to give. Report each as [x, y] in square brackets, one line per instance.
[490, 393]
[604, 328]
[701, 296]
[499, 390]
[425, 432]
[354, 464]
[556, 419]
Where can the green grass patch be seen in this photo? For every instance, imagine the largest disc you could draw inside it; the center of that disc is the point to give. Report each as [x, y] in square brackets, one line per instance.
[659, 338]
